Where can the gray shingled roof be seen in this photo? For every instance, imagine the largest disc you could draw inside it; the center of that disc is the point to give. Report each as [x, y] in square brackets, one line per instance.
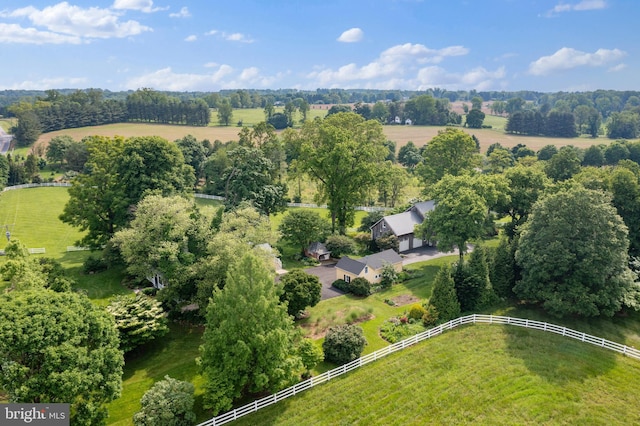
[424, 207]
[377, 260]
[403, 223]
[350, 265]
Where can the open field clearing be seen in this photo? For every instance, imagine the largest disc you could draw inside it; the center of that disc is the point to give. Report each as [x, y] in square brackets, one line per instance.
[476, 375]
[400, 134]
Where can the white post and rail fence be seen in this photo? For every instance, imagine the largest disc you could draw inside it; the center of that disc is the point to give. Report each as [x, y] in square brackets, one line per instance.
[381, 353]
[197, 195]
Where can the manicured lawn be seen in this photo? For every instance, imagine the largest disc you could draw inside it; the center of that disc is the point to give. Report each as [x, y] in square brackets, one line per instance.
[480, 374]
[173, 355]
[32, 217]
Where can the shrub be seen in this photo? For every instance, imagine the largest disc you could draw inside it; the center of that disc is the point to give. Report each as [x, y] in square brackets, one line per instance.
[169, 402]
[360, 287]
[341, 285]
[339, 245]
[343, 344]
[387, 241]
[430, 316]
[393, 330]
[417, 311]
[94, 264]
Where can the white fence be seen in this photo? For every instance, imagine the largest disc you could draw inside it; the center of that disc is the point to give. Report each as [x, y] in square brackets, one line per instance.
[309, 205]
[35, 185]
[206, 196]
[469, 319]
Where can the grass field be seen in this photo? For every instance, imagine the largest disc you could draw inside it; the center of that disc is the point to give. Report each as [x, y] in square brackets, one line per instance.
[420, 135]
[488, 375]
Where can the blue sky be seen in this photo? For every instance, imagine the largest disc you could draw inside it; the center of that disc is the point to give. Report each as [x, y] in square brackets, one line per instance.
[209, 45]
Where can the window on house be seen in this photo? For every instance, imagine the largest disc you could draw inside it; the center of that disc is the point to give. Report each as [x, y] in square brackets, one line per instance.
[384, 225]
[347, 278]
[366, 269]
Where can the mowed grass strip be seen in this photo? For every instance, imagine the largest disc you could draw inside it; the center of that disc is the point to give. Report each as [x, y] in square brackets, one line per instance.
[480, 374]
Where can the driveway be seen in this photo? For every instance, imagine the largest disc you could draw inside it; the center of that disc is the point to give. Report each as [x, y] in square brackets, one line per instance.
[327, 274]
[5, 141]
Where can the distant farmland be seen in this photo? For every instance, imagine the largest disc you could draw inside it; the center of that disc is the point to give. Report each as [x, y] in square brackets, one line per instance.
[400, 134]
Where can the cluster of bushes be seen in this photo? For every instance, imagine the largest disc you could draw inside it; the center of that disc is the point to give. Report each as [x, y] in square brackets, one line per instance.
[412, 322]
[357, 286]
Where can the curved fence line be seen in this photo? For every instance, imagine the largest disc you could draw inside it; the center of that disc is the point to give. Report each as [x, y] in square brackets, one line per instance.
[381, 353]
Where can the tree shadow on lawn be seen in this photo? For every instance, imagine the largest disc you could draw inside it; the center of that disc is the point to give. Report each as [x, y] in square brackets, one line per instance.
[556, 358]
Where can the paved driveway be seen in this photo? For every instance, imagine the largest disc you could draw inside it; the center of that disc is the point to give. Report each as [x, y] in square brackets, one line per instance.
[327, 274]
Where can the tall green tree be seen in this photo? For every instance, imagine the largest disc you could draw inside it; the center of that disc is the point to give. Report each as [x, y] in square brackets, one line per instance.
[249, 338]
[475, 118]
[444, 297]
[524, 186]
[97, 202]
[459, 214]
[573, 255]
[451, 152]
[59, 348]
[225, 112]
[57, 147]
[342, 152]
[564, 164]
[300, 290]
[28, 129]
[302, 227]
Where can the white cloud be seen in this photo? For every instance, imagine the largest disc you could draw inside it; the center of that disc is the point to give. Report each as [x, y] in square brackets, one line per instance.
[211, 65]
[48, 83]
[567, 58]
[221, 77]
[617, 68]
[13, 33]
[352, 35]
[239, 37]
[191, 38]
[184, 13]
[70, 20]
[141, 5]
[394, 62]
[578, 7]
[478, 78]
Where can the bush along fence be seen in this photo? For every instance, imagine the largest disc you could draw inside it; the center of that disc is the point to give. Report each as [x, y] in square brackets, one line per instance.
[381, 353]
[205, 196]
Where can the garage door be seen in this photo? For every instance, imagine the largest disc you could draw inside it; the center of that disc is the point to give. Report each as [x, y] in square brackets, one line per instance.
[417, 242]
[404, 244]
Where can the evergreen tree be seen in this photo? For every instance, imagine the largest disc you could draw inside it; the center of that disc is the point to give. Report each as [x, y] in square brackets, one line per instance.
[444, 298]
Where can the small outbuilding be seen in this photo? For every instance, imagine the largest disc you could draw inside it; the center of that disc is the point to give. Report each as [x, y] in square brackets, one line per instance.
[318, 251]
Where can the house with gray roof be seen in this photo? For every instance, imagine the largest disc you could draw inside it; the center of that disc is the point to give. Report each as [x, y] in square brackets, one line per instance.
[402, 225]
[369, 267]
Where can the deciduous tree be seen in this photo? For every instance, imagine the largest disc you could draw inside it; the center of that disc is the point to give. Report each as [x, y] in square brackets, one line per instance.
[300, 290]
[59, 348]
[249, 338]
[342, 152]
[139, 319]
[573, 255]
[451, 152]
[302, 227]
